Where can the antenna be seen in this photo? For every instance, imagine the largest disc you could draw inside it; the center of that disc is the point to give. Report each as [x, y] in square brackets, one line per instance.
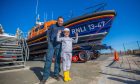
[36, 12]
[52, 15]
[38, 17]
[71, 14]
[36, 8]
[44, 17]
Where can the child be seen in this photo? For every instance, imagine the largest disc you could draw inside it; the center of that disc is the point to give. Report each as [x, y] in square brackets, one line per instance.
[66, 53]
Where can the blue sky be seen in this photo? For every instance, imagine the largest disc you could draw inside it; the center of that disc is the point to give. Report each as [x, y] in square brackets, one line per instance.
[125, 28]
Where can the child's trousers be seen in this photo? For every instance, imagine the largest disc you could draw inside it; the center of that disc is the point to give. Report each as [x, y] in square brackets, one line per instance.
[66, 59]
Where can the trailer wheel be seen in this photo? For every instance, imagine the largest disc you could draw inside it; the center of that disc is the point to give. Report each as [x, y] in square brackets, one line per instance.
[83, 56]
[75, 58]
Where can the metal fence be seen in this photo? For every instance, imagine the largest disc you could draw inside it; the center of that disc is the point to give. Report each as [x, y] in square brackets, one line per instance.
[132, 47]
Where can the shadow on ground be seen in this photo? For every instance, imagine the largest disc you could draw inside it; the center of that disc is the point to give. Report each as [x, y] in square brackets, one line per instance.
[39, 72]
[125, 81]
[132, 71]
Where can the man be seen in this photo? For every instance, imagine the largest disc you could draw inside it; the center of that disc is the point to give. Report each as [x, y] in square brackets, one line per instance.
[54, 49]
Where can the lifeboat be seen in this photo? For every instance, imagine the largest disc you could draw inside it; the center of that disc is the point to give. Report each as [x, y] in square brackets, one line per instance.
[91, 28]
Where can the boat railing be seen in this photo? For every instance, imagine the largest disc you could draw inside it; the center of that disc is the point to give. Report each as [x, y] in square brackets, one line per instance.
[92, 9]
[95, 8]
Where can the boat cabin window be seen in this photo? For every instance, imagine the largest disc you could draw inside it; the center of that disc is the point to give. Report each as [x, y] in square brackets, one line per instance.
[42, 26]
[36, 29]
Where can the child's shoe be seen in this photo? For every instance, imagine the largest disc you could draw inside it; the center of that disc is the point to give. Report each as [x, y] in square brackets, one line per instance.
[65, 76]
[68, 73]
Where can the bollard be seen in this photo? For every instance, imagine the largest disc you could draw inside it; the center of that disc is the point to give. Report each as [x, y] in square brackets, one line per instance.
[116, 56]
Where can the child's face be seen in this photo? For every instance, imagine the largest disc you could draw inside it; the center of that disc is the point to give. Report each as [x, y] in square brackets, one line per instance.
[66, 33]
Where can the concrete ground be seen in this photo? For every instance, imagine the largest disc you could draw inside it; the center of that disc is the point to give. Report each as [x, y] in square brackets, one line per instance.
[99, 71]
[125, 71]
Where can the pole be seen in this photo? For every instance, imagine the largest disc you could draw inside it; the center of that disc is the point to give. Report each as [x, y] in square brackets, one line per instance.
[124, 48]
[52, 15]
[138, 45]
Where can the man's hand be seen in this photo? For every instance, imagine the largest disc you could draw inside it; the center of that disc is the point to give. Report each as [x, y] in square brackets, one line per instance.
[76, 34]
[59, 31]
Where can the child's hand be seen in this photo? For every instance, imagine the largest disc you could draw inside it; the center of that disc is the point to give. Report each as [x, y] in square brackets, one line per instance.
[59, 31]
[76, 34]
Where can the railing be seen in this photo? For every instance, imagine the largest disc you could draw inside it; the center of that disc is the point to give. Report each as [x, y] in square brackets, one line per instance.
[13, 53]
[91, 9]
[125, 48]
[25, 49]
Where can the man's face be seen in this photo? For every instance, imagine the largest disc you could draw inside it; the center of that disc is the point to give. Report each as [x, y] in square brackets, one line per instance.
[66, 33]
[60, 21]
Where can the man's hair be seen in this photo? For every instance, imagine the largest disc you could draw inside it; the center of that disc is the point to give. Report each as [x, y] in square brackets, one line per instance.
[60, 17]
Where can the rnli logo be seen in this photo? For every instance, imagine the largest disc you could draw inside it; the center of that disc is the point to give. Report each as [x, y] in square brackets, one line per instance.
[83, 28]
